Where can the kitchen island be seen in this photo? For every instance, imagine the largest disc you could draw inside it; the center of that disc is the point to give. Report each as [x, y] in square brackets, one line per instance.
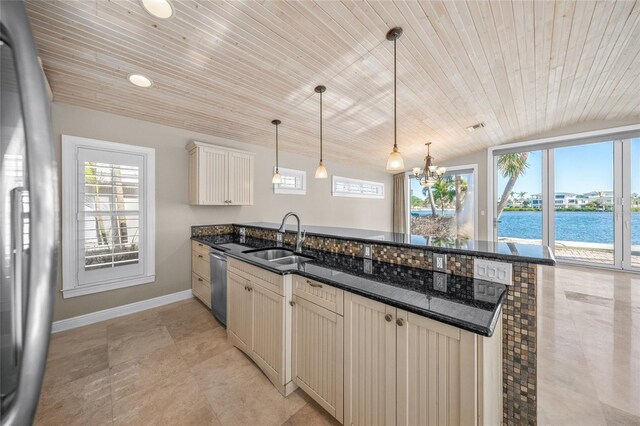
[399, 277]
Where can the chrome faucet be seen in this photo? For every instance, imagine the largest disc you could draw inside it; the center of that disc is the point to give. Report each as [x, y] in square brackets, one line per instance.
[300, 237]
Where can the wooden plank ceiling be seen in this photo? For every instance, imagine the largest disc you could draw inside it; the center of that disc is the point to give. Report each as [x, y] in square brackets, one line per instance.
[228, 68]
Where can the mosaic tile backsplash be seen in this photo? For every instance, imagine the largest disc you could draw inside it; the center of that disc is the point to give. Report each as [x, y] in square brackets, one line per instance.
[519, 333]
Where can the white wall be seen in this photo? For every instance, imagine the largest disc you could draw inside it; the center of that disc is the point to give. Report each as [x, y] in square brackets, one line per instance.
[174, 215]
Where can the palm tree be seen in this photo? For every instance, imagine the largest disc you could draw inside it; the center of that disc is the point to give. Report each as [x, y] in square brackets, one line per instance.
[426, 191]
[510, 166]
[444, 192]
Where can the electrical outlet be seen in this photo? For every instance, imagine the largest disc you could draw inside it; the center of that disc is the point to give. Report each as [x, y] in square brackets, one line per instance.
[440, 281]
[366, 251]
[368, 266]
[439, 262]
[279, 237]
[243, 232]
[489, 270]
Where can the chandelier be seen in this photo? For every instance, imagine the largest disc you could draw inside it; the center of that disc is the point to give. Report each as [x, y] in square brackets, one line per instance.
[431, 173]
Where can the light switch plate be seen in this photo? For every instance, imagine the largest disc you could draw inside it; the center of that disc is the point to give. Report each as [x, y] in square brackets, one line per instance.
[366, 251]
[439, 262]
[490, 270]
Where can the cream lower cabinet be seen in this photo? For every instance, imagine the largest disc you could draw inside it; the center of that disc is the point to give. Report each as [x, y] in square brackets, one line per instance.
[259, 320]
[239, 311]
[406, 369]
[317, 354]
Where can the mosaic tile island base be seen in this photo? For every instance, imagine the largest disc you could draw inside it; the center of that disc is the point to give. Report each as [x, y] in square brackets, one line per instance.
[519, 313]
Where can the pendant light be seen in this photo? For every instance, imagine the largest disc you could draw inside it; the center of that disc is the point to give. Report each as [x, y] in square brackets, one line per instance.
[395, 162]
[430, 174]
[321, 171]
[276, 176]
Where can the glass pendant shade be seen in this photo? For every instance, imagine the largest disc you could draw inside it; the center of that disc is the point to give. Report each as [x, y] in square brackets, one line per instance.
[321, 172]
[395, 161]
[417, 171]
[276, 177]
[441, 170]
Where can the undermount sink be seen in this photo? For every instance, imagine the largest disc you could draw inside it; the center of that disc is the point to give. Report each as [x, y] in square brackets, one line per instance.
[270, 253]
[279, 256]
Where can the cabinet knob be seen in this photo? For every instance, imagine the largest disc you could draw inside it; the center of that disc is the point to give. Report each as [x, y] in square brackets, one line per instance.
[400, 321]
[200, 256]
[199, 279]
[291, 303]
[388, 317]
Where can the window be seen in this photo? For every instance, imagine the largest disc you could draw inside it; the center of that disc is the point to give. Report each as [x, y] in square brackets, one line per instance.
[293, 182]
[108, 201]
[347, 187]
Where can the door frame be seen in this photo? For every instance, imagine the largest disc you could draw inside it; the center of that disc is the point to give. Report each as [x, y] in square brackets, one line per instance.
[614, 134]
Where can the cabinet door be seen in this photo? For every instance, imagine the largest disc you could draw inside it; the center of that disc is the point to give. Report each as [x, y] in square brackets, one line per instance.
[370, 362]
[213, 176]
[240, 179]
[317, 354]
[436, 373]
[267, 349]
[239, 311]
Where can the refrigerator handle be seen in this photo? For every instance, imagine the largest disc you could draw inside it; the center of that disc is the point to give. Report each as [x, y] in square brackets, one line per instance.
[17, 249]
[43, 214]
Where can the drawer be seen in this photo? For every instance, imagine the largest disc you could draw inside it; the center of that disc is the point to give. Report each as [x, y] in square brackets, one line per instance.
[200, 248]
[268, 280]
[200, 265]
[201, 289]
[321, 294]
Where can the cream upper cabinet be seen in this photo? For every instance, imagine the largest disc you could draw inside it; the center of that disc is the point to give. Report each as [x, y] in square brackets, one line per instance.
[219, 175]
[370, 362]
[317, 354]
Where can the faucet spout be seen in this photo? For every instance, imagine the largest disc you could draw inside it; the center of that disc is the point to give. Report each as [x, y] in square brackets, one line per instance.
[300, 237]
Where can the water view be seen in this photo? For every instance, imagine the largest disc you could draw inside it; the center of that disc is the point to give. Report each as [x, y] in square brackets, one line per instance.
[595, 227]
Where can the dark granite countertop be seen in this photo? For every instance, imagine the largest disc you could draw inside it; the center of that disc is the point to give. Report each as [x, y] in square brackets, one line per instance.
[467, 303]
[512, 252]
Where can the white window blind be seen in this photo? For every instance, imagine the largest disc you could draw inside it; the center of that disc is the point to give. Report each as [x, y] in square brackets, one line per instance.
[348, 187]
[293, 182]
[108, 211]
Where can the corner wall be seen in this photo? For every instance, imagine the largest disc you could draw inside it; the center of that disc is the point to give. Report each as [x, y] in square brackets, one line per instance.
[174, 215]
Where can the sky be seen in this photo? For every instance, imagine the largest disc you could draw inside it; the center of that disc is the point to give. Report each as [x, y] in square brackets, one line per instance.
[578, 169]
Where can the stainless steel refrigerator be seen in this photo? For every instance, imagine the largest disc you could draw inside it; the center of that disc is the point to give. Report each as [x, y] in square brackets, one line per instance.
[28, 219]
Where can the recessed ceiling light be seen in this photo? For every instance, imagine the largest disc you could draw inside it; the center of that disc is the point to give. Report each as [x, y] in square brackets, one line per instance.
[475, 127]
[140, 80]
[159, 8]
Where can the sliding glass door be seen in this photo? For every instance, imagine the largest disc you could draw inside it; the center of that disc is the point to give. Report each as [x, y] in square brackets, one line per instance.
[582, 200]
[631, 204]
[447, 210]
[583, 214]
[518, 211]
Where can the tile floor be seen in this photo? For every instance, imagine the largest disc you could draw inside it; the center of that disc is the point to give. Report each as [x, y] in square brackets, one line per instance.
[588, 347]
[173, 365]
[169, 365]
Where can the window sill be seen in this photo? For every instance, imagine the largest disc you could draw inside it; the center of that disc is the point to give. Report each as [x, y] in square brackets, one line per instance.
[98, 288]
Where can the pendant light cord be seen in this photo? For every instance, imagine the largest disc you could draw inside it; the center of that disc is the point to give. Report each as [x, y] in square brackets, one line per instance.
[320, 127]
[395, 115]
[277, 148]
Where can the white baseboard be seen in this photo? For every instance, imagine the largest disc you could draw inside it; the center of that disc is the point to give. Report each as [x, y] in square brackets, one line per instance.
[118, 311]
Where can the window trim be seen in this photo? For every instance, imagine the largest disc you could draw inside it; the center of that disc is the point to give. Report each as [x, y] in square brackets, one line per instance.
[290, 191]
[70, 261]
[335, 193]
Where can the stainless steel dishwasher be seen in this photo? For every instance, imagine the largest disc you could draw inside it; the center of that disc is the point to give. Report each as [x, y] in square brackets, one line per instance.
[218, 261]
